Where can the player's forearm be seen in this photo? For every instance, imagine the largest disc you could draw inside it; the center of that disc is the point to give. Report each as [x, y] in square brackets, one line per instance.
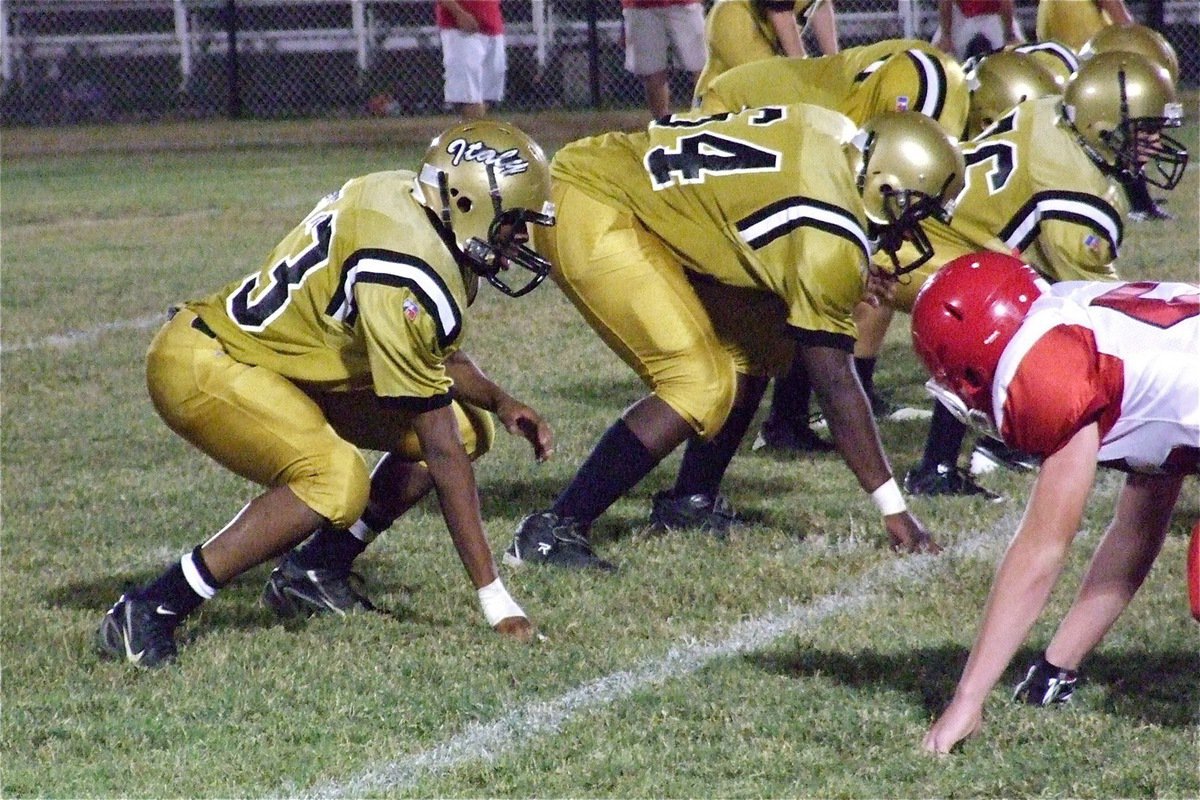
[824, 24]
[848, 414]
[1119, 566]
[1020, 592]
[458, 497]
[472, 385]
[787, 32]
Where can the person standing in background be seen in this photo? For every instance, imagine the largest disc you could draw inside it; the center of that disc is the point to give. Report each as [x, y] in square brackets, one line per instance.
[473, 54]
[969, 28]
[651, 28]
[741, 31]
[1073, 22]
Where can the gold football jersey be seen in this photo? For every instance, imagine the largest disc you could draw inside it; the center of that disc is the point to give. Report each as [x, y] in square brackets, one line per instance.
[1032, 191]
[362, 293]
[762, 199]
[736, 32]
[1072, 22]
[860, 82]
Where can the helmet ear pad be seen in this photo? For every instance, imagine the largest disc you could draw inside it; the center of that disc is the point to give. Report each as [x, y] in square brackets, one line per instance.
[964, 317]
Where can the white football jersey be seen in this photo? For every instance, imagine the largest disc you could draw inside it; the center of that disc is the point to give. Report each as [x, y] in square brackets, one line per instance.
[1125, 355]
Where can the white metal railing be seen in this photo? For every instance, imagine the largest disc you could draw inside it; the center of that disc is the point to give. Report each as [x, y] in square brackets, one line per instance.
[182, 34]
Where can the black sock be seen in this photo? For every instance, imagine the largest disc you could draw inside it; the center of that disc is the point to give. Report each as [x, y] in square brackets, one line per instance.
[791, 397]
[173, 590]
[617, 463]
[865, 367]
[704, 463]
[330, 548]
[1138, 192]
[944, 440]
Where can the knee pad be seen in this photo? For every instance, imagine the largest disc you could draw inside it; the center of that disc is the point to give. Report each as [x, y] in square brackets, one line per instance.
[334, 484]
[701, 391]
[477, 428]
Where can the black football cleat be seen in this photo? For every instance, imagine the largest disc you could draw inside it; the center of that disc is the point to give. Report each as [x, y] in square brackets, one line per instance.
[990, 453]
[945, 480]
[135, 631]
[546, 538]
[1046, 684]
[292, 590]
[701, 512]
[786, 437]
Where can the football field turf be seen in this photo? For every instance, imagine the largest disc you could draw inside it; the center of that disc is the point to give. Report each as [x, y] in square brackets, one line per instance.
[800, 658]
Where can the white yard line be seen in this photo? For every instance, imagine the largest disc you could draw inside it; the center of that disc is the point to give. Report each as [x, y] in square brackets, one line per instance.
[62, 341]
[513, 730]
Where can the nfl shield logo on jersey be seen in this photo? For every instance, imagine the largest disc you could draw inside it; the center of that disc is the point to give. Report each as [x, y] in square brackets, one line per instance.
[902, 103]
[411, 309]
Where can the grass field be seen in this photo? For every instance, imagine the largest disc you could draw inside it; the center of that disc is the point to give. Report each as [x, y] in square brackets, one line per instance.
[799, 659]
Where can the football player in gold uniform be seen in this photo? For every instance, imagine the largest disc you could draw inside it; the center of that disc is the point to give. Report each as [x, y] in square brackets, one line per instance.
[741, 31]
[860, 82]
[1156, 49]
[1045, 183]
[349, 336]
[704, 251]
[1073, 22]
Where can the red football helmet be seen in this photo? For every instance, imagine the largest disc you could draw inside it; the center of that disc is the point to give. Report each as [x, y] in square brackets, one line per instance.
[961, 321]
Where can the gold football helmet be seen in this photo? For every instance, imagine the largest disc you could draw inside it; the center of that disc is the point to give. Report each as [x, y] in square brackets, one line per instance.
[484, 181]
[910, 170]
[1000, 81]
[1119, 103]
[1134, 39]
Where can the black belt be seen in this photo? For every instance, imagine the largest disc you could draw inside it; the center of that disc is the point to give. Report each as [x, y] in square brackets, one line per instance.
[202, 326]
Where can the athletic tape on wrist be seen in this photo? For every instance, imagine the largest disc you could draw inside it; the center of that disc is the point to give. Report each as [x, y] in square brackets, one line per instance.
[497, 604]
[888, 498]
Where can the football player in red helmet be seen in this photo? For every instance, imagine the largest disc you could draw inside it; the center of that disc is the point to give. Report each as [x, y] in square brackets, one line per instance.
[1083, 374]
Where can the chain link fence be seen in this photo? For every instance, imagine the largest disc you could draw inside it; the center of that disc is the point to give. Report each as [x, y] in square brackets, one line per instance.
[76, 61]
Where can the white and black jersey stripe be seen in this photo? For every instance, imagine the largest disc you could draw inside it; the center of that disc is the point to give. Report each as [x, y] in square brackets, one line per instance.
[784, 216]
[931, 95]
[1060, 51]
[932, 87]
[390, 268]
[1078, 207]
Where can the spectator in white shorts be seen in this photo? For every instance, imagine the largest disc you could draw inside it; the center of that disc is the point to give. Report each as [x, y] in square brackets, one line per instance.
[970, 28]
[651, 28]
[473, 54]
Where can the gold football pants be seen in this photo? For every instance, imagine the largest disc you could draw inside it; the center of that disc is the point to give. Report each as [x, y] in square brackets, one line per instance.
[685, 336]
[269, 430]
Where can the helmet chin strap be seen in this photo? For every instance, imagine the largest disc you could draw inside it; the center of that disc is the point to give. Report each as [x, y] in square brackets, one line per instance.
[444, 191]
[494, 191]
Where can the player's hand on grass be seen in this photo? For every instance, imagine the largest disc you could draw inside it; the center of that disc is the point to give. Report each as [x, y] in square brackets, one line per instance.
[958, 722]
[519, 628]
[908, 535]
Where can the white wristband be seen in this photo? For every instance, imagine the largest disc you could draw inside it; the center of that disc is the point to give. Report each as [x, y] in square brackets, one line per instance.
[888, 498]
[497, 603]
